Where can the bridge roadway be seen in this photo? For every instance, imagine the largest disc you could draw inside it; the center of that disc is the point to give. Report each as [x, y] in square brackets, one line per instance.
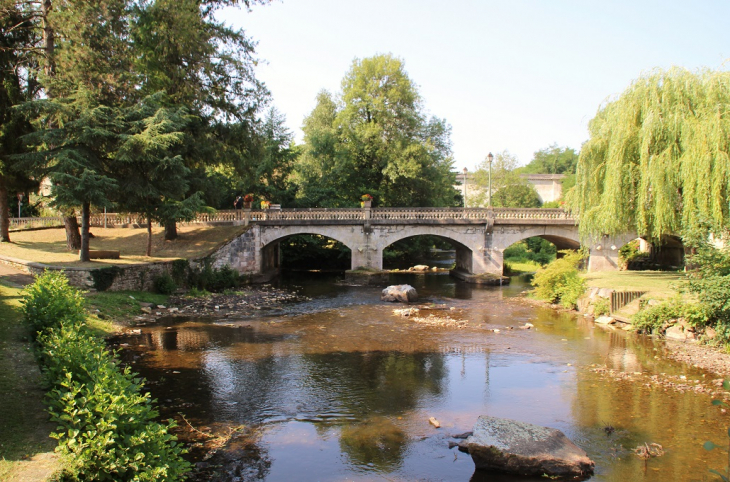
[479, 235]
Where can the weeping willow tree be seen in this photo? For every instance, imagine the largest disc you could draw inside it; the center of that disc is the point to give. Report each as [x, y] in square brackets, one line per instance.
[657, 159]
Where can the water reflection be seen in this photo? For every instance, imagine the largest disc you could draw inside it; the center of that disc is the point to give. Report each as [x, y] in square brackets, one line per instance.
[343, 389]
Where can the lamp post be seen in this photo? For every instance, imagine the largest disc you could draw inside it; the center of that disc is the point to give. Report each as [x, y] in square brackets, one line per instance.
[490, 158]
[465, 171]
[20, 202]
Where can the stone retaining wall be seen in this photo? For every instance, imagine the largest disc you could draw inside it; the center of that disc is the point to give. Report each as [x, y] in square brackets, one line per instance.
[130, 277]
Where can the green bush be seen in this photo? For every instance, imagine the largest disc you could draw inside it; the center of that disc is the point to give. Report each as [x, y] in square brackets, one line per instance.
[106, 426]
[104, 277]
[559, 281]
[651, 318]
[212, 279]
[601, 306]
[164, 284]
[180, 270]
[50, 300]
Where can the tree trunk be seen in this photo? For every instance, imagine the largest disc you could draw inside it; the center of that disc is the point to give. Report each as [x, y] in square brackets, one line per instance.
[149, 236]
[49, 41]
[170, 230]
[85, 215]
[73, 237]
[4, 212]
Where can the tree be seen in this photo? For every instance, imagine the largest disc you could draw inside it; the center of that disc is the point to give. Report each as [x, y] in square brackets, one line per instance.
[657, 161]
[17, 85]
[202, 64]
[376, 139]
[509, 189]
[555, 160]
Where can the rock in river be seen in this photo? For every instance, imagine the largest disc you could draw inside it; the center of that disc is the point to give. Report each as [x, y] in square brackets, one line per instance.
[504, 445]
[402, 293]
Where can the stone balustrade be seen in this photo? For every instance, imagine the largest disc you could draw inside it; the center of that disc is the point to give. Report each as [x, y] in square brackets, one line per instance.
[319, 215]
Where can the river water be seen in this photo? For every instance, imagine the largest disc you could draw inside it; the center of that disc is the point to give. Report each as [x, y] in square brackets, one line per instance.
[339, 388]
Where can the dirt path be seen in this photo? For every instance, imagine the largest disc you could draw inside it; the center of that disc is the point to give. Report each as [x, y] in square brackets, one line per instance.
[14, 277]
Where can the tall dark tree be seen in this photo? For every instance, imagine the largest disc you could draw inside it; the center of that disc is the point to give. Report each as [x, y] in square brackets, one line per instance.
[18, 84]
[204, 65]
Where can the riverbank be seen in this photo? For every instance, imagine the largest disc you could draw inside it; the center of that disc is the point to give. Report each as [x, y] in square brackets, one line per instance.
[26, 450]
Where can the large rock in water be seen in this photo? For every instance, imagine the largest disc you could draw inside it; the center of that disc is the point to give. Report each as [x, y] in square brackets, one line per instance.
[402, 293]
[504, 445]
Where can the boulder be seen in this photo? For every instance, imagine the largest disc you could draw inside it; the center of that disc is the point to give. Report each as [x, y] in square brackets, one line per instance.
[419, 267]
[605, 320]
[402, 293]
[509, 446]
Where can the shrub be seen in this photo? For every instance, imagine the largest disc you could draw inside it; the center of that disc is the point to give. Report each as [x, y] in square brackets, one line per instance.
[652, 318]
[104, 277]
[164, 284]
[212, 279]
[106, 427]
[601, 307]
[179, 270]
[559, 281]
[50, 300]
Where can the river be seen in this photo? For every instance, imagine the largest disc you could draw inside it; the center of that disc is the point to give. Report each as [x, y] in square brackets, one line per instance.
[339, 388]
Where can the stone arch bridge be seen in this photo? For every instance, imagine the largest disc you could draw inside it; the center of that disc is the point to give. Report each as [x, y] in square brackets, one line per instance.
[479, 235]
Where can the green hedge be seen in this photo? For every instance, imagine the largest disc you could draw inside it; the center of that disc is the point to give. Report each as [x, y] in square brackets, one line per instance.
[559, 281]
[106, 425]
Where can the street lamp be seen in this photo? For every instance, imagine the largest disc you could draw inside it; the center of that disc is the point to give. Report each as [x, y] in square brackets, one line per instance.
[465, 171]
[490, 158]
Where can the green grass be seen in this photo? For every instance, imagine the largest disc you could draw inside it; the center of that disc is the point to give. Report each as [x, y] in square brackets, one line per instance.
[657, 284]
[519, 266]
[24, 426]
[117, 306]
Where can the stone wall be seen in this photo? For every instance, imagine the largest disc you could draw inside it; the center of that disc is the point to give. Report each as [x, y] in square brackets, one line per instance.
[240, 253]
[138, 277]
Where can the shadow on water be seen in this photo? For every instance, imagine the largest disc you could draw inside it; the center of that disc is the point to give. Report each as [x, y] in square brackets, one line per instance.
[339, 387]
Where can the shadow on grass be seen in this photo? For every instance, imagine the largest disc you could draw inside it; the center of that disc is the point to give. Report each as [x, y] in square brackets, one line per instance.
[24, 425]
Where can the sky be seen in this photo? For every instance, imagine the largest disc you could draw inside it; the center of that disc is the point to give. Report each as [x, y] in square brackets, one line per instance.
[516, 75]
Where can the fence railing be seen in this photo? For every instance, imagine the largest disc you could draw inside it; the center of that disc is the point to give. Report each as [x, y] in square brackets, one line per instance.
[113, 220]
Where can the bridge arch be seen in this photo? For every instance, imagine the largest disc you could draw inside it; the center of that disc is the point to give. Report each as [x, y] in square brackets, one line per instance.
[464, 254]
[270, 238]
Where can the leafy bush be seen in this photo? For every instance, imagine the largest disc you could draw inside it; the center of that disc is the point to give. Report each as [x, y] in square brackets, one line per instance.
[106, 427]
[650, 319]
[559, 281]
[50, 300]
[710, 281]
[179, 270]
[104, 277]
[601, 307]
[164, 284]
[212, 279]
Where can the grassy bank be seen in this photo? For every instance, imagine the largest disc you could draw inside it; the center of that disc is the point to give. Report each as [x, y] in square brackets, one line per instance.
[49, 245]
[657, 284]
[25, 447]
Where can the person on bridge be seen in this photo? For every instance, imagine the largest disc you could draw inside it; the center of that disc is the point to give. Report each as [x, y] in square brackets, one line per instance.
[238, 203]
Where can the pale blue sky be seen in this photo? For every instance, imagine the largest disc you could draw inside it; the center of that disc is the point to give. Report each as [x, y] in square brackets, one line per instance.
[512, 74]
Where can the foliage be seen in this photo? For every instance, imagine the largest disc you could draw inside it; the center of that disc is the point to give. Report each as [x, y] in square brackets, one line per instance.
[50, 300]
[657, 161]
[212, 279]
[601, 306]
[509, 190]
[106, 427]
[552, 160]
[164, 284]
[710, 445]
[652, 318]
[179, 270]
[104, 277]
[559, 281]
[375, 138]
[308, 251]
[536, 249]
[709, 280]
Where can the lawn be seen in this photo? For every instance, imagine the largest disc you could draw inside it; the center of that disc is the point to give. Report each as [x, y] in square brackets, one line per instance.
[48, 246]
[658, 284]
[25, 447]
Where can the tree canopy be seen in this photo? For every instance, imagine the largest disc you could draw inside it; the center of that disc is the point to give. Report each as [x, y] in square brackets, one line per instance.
[509, 189]
[375, 138]
[657, 158]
